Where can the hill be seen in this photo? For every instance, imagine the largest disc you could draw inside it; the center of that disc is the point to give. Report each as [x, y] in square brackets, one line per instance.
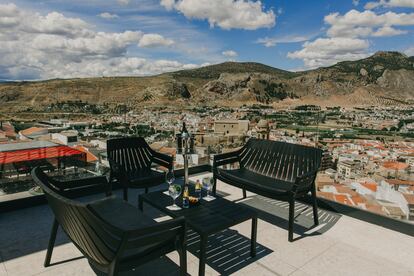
[386, 78]
[214, 71]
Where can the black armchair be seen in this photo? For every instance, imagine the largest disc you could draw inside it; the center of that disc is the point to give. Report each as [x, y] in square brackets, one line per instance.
[130, 160]
[112, 234]
[277, 170]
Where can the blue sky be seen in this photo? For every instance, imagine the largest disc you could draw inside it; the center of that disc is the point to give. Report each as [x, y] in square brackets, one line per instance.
[56, 38]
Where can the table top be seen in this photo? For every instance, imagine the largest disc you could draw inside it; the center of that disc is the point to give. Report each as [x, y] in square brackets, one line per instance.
[207, 217]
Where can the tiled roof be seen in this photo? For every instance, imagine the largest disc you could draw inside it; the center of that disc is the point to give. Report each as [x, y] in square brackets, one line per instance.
[358, 200]
[90, 157]
[32, 130]
[344, 199]
[392, 165]
[400, 182]
[342, 189]
[326, 195]
[409, 198]
[167, 150]
[378, 209]
[9, 130]
[371, 186]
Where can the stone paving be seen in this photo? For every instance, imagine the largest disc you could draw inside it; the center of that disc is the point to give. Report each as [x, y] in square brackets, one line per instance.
[340, 246]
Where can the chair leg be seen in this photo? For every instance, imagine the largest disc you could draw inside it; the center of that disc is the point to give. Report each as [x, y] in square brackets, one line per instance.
[52, 240]
[113, 268]
[202, 256]
[315, 206]
[244, 193]
[125, 193]
[214, 185]
[291, 218]
[183, 261]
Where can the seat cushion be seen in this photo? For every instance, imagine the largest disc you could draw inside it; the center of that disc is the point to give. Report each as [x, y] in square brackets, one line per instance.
[254, 182]
[145, 178]
[121, 214]
[125, 216]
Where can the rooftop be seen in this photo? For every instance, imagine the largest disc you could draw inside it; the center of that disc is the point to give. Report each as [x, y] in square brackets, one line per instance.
[341, 245]
[395, 165]
[26, 145]
[33, 131]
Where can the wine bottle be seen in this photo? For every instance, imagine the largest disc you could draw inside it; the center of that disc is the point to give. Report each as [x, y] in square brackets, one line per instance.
[186, 200]
[198, 189]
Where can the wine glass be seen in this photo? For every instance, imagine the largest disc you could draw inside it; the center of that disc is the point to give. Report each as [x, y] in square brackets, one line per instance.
[98, 168]
[208, 184]
[169, 177]
[174, 189]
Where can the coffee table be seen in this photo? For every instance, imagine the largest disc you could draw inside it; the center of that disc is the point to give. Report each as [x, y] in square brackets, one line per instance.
[206, 218]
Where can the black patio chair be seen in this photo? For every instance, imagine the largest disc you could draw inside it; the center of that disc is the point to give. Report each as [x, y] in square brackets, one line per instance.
[112, 234]
[277, 170]
[130, 160]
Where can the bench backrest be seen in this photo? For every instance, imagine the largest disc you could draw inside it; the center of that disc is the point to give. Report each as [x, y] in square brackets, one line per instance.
[132, 153]
[90, 235]
[279, 160]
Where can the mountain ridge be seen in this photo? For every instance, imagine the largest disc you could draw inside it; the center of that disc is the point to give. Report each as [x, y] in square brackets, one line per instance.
[385, 78]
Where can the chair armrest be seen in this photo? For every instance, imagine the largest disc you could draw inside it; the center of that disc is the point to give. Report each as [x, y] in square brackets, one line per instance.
[225, 158]
[305, 180]
[174, 229]
[162, 159]
[65, 186]
[159, 227]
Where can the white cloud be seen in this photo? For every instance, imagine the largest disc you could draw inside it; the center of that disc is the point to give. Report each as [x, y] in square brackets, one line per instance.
[124, 2]
[267, 41]
[409, 51]
[154, 40]
[390, 3]
[273, 41]
[168, 4]
[388, 31]
[347, 36]
[327, 51]
[367, 23]
[107, 15]
[123, 66]
[35, 46]
[355, 2]
[226, 14]
[230, 53]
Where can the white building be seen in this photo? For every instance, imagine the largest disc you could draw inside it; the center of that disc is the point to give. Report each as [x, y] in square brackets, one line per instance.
[231, 127]
[99, 143]
[348, 169]
[192, 159]
[386, 192]
[68, 138]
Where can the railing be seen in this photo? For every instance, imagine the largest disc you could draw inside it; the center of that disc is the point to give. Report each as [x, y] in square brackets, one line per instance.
[94, 187]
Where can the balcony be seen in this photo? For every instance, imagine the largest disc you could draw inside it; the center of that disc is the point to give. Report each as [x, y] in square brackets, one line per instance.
[340, 245]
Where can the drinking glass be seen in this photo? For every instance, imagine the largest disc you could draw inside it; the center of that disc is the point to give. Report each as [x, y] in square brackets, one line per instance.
[169, 177]
[174, 189]
[208, 184]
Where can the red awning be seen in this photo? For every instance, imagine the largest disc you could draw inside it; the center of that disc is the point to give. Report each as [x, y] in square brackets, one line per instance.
[36, 154]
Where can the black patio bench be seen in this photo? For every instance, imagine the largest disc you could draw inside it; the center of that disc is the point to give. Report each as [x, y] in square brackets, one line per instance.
[112, 234]
[277, 170]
